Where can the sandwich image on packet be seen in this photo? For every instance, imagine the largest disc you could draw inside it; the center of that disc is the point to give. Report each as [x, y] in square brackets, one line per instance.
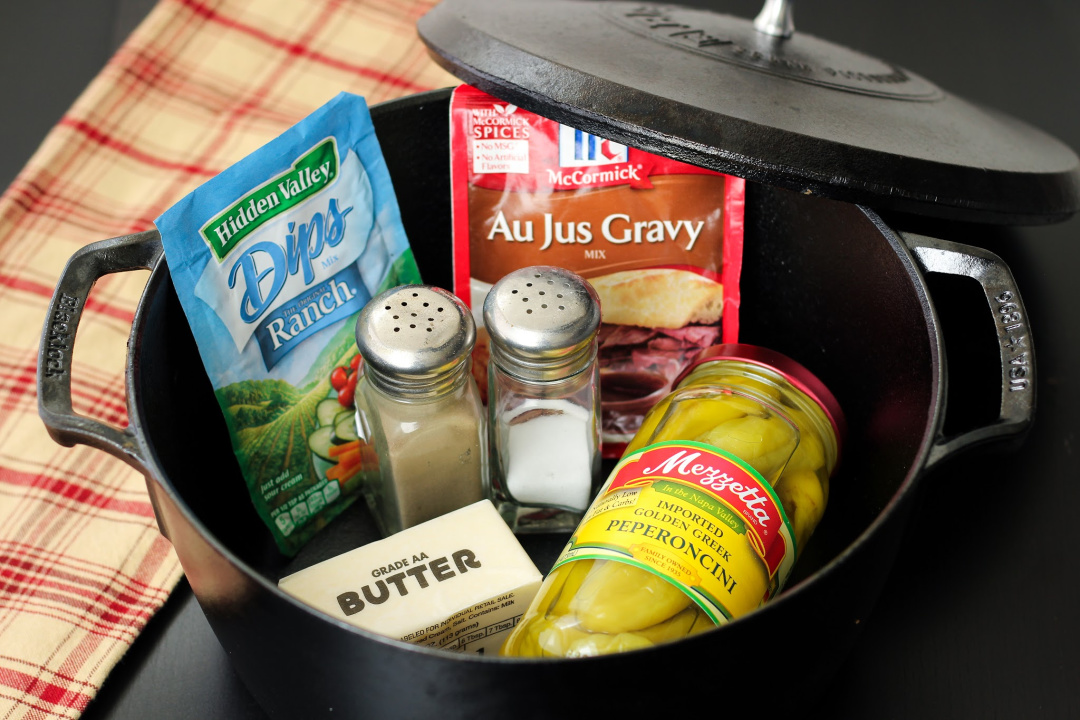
[272, 261]
[660, 241]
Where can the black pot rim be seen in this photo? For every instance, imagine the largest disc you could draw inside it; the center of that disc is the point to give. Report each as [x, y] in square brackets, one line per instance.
[791, 594]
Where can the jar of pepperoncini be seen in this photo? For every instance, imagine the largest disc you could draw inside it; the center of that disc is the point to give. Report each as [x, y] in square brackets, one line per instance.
[702, 519]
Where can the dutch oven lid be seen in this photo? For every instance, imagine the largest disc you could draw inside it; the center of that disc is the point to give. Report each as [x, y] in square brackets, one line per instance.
[757, 100]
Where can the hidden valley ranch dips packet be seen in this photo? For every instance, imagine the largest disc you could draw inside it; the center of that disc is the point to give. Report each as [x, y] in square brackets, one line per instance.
[272, 260]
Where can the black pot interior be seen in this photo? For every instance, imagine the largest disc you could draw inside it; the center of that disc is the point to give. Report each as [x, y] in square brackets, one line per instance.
[821, 282]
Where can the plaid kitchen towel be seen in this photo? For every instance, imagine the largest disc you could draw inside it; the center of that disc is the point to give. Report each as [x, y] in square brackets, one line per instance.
[199, 85]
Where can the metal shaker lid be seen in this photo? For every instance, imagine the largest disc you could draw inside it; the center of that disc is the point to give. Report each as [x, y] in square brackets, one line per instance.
[414, 339]
[542, 321]
[758, 100]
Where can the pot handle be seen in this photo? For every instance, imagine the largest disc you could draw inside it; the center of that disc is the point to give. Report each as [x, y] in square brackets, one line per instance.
[1017, 407]
[83, 269]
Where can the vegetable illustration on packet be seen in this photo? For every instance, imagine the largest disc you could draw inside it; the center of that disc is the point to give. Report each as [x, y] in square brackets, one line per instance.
[272, 260]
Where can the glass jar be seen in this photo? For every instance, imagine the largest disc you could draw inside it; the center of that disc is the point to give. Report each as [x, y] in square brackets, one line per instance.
[418, 407]
[702, 519]
[543, 402]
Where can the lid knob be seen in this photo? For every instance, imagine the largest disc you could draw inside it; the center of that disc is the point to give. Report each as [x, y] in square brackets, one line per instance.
[776, 18]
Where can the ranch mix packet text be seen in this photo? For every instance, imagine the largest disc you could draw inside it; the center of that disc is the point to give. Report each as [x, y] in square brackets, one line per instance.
[272, 260]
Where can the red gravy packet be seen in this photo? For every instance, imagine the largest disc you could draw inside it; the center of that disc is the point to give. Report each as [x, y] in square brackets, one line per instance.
[660, 240]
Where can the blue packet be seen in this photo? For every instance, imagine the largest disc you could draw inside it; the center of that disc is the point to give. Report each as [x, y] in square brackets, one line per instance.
[272, 260]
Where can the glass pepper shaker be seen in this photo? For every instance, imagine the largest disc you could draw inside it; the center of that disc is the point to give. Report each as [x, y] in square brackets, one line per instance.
[418, 407]
[543, 398]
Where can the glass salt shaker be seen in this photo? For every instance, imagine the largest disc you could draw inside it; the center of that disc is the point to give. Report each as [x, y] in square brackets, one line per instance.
[418, 407]
[543, 398]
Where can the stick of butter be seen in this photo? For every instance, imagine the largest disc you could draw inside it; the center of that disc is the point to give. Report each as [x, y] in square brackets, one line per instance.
[459, 582]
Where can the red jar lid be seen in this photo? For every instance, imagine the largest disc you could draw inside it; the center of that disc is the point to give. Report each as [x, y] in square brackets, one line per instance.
[792, 371]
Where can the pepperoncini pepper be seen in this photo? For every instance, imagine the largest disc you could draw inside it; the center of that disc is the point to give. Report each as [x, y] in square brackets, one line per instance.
[702, 519]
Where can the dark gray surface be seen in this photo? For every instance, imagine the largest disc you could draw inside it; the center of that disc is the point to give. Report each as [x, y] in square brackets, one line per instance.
[980, 616]
[51, 50]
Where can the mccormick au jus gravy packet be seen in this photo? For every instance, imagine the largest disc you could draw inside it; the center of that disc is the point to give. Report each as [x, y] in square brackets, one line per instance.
[659, 240]
[272, 261]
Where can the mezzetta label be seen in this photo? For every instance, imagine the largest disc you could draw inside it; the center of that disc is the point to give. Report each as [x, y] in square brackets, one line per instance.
[697, 516]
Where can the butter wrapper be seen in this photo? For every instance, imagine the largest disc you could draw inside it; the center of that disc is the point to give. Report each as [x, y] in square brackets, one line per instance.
[458, 582]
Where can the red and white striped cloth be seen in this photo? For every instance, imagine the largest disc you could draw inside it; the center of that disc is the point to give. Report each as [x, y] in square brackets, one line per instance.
[200, 84]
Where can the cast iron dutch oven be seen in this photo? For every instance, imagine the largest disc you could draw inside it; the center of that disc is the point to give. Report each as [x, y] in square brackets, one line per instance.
[823, 135]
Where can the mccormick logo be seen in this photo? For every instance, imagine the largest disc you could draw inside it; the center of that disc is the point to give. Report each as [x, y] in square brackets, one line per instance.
[578, 148]
[313, 171]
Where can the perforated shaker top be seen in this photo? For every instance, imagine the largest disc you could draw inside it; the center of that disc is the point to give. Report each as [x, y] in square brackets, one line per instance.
[414, 337]
[542, 321]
